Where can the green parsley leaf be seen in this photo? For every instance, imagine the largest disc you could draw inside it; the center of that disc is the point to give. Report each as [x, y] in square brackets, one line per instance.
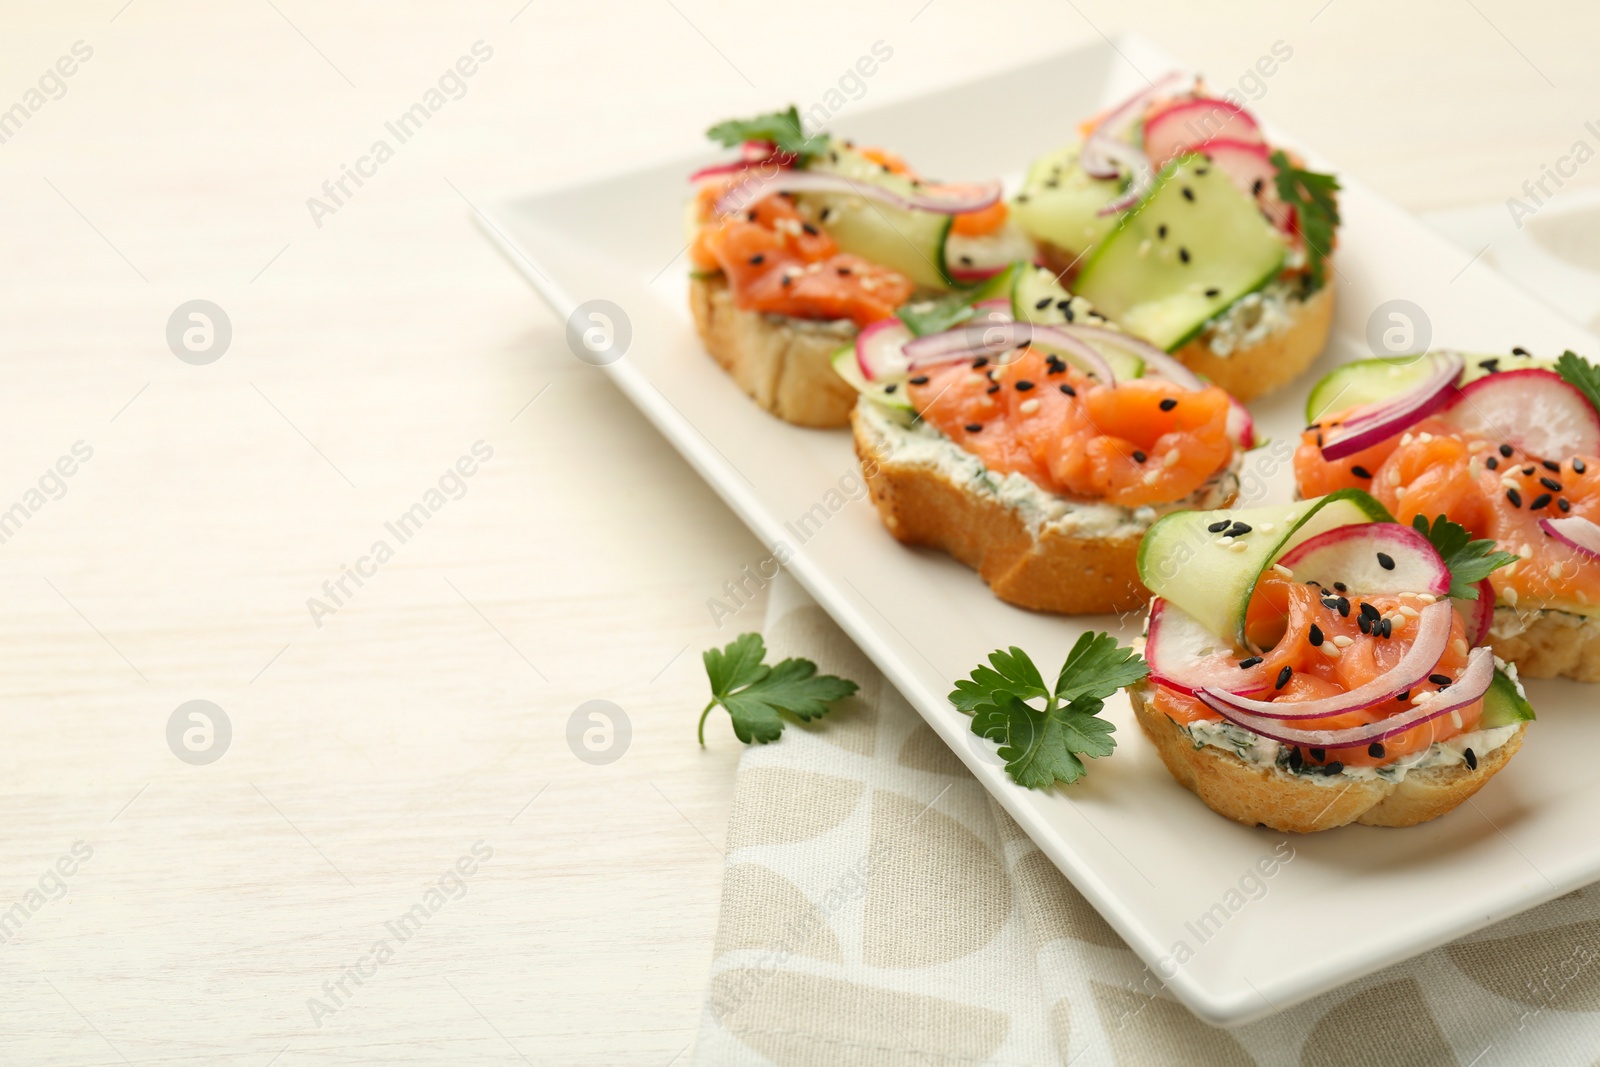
[1316, 211]
[1045, 746]
[1581, 375]
[938, 315]
[782, 128]
[1470, 561]
[758, 697]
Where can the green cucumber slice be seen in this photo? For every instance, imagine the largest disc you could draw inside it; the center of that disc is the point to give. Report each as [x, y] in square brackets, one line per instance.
[911, 242]
[1139, 277]
[1365, 381]
[1504, 704]
[1034, 286]
[889, 394]
[1181, 560]
[1060, 204]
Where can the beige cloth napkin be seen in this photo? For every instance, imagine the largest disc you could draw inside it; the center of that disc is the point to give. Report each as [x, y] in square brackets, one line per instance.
[878, 908]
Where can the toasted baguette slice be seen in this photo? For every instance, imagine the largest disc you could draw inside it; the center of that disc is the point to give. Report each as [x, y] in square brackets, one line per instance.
[1266, 796]
[1255, 369]
[1547, 643]
[1027, 560]
[781, 362]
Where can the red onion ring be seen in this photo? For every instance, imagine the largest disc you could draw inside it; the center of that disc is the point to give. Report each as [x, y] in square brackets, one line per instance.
[1165, 366]
[1471, 686]
[1579, 534]
[999, 339]
[1372, 423]
[1116, 121]
[1433, 637]
[1482, 614]
[953, 200]
[1141, 175]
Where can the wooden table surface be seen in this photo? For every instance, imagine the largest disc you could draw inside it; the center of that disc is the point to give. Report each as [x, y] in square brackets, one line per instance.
[415, 722]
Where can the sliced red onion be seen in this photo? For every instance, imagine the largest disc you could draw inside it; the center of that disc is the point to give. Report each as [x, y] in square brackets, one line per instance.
[940, 199]
[1470, 687]
[1580, 535]
[1372, 423]
[1481, 614]
[1433, 637]
[997, 341]
[880, 349]
[1156, 362]
[1116, 122]
[1136, 165]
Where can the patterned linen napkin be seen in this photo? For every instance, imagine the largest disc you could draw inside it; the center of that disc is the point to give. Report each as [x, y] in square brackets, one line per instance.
[878, 908]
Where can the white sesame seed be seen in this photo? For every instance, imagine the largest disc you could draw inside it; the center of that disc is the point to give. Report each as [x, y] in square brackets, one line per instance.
[1399, 491]
[1171, 458]
[1329, 649]
[1455, 719]
[1265, 527]
[1224, 540]
[1281, 569]
[1426, 598]
[1238, 546]
[1526, 551]
[1394, 475]
[1406, 439]
[1409, 612]
[1342, 641]
[1028, 407]
[1459, 646]
[1555, 569]
[1509, 596]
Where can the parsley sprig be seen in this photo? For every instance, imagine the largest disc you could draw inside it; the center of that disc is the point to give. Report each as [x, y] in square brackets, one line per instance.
[1045, 745]
[1581, 375]
[1469, 561]
[1316, 211]
[782, 128]
[758, 697]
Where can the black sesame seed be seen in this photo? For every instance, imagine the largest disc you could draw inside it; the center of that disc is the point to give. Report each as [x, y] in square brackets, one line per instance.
[1515, 498]
[1370, 612]
[1386, 561]
[1319, 754]
[1062, 305]
[1341, 587]
[1403, 697]
[974, 427]
[1139, 457]
[1255, 187]
[1240, 529]
[1024, 386]
[1364, 623]
[966, 261]
[1492, 463]
[751, 215]
[1360, 471]
[1540, 501]
[757, 259]
[993, 389]
[1388, 627]
[1527, 472]
[921, 379]
[1331, 603]
[1440, 679]
[1315, 635]
[1472, 759]
[1344, 607]
[891, 387]
[844, 272]
[1520, 351]
[1552, 467]
[1183, 254]
[1578, 467]
[1550, 484]
[1506, 450]
[787, 281]
[1213, 293]
[1161, 231]
[1563, 503]
[1067, 389]
[1218, 527]
[1248, 662]
[1296, 761]
[1188, 194]
[1284, 676]
[1043, 303]
[980, 363]
[1490, 365]
[1169, 403]
[1375, 750]
[1333, 768]
[808, 228]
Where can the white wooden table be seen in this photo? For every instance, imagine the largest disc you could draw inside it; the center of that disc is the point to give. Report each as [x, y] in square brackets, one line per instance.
[377, 740]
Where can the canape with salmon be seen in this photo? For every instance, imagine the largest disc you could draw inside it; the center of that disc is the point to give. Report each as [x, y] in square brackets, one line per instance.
[1036, 453]
[1179, 219]
[1316, 664]
[1507, 446]
[807, 239]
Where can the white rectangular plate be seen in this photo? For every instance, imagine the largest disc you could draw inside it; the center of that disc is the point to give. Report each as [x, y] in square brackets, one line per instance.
[1147, 854]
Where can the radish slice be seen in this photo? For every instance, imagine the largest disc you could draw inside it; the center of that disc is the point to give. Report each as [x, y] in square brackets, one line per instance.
[1157, 363]
[1470, 687]
[1376, 559]
[880, 350]
[939, 199]
[997, 342]
[1533, 409]
[1480, 614]
[1580, 535]
[1368, 425]
[751, 153]
[1433, 636]
[1185, 656]
[1181, 127]
[1241, 427]
[1099, 155]
[1250, 169]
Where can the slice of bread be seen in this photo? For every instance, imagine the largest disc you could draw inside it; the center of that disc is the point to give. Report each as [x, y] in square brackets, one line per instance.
[782, 363]
[1547, 643]
[1059, 563]
[1266, 796]
[1250, 370]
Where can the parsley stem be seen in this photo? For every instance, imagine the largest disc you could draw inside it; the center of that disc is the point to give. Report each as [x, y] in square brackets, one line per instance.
[703, 715]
